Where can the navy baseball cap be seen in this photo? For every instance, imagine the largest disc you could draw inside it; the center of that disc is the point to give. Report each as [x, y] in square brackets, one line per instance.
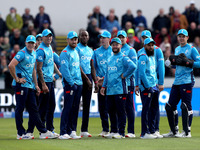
[46, 32]
[45, 21]
[122, 32]
[146, 33]
[72, 34]
[149, 40]
[117, 40]
[38, 35]
[183, 31]
[31, 38]
[105, 34]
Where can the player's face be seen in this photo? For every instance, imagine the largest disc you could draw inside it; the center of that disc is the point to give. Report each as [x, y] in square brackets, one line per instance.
[182, 39]
[30, 46]
[149, 49]
[143, 38]
[73, 42]
[123, 39]
[116, 48]
[105, 41]
[84, 37]
[39, 41]
[47, 39]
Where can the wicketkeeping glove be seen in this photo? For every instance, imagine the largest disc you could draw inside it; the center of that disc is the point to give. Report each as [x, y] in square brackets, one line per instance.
[182, 60]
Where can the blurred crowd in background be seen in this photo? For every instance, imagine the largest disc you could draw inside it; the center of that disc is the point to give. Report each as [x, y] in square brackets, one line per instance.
[15, 28]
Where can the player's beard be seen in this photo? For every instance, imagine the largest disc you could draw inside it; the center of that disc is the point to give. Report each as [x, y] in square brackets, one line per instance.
[150, 53]
[117, 50]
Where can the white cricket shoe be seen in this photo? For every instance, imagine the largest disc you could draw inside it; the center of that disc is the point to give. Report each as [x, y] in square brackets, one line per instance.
[47, 135]
[103, 133]
[64, 137]
[109, 135]
[158, 135]
[74, 136]
[169, 135]
[148, 136]
[30, 135]
[130, 135]
[56, 134]
[85, 134]
[118, 136]
[183, 135]
[24, 137]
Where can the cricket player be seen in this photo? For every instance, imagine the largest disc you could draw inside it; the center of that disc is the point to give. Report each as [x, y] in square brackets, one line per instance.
[119, 67]
[160, 76]
[99, 61]
[22, 69]
[130, 109]
[149, 90]
[85, 56]
[72, 84]
[45, 70]
[185, 59]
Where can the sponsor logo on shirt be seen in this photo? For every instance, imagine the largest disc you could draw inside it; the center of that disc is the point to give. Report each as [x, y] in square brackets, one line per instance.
[143, 62]
[63, 61]
[50, 60]
[75, 64]
[18, 56]
[103, 62]
[100, 55]
[40, 58]
[85, 58]
[30, 65]
[112, 68]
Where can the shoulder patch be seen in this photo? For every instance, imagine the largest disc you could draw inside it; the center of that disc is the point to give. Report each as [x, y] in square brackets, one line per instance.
[192, 46]
[95, 49]
[157, 47]
[131, 48]
[22, 51]
[53, 52]
[64, 51]
[139, 49]
[143, 54]
[41, 48]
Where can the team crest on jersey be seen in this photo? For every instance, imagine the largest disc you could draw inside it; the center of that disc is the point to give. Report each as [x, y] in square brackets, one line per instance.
[186, 52]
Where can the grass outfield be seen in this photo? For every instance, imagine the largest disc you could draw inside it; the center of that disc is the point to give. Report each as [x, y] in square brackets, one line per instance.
[8, 139]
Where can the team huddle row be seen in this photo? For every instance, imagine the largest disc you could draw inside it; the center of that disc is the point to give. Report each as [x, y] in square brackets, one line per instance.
[117, 72]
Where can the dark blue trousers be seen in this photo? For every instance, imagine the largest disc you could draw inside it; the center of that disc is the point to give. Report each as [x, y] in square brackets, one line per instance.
[103, 110]
[26, 97]
[47, 105]
[117, 113]
[86, 98]
[181, 92]
[70, 111]
[130, 110]
[150, 106]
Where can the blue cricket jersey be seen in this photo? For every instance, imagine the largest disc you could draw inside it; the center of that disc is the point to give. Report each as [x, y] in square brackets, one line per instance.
[131, 53]
[100, 59]
[117, 65]
[70, 66]
[24, 69]
[147, 75]
[184, 75]
[85, 55]
[45, 54]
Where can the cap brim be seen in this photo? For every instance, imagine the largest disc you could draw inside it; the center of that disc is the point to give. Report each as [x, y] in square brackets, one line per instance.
[30, 41]
[48, 34]
[73, 37]
[182, 34]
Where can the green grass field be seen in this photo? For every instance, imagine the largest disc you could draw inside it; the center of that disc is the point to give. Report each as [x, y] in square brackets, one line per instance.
[8, 139]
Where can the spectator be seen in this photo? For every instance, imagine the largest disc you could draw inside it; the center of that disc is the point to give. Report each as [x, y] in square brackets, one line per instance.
[171, 11]
[128, 26]
[27, 18]
[93, 31]
[192, 13]
[140, 19]
[161, 21]
[111, 23]
[17, 38]
[132, 40]
[178, 21]
[28, 31]
[14, 20]
[128, 17]
[196, 43]
[40, 17]
[3, 27]
[16, 48]
[101, 20]
[165, 44]
[174, 42]
[114, 33]
[193, 32]
[139, 30]
[159, 38]
[5, 45]
[112, 11]
[46, 25]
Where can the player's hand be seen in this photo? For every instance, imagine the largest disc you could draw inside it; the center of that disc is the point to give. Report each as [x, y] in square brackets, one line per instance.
[137, 90]
[37, 90]
[161, 87]
[54, 79]
[100, 82]
[22, 80]
[102, 91]
[96, 88]
[45, 89]
[89, 85]
[60, 75]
